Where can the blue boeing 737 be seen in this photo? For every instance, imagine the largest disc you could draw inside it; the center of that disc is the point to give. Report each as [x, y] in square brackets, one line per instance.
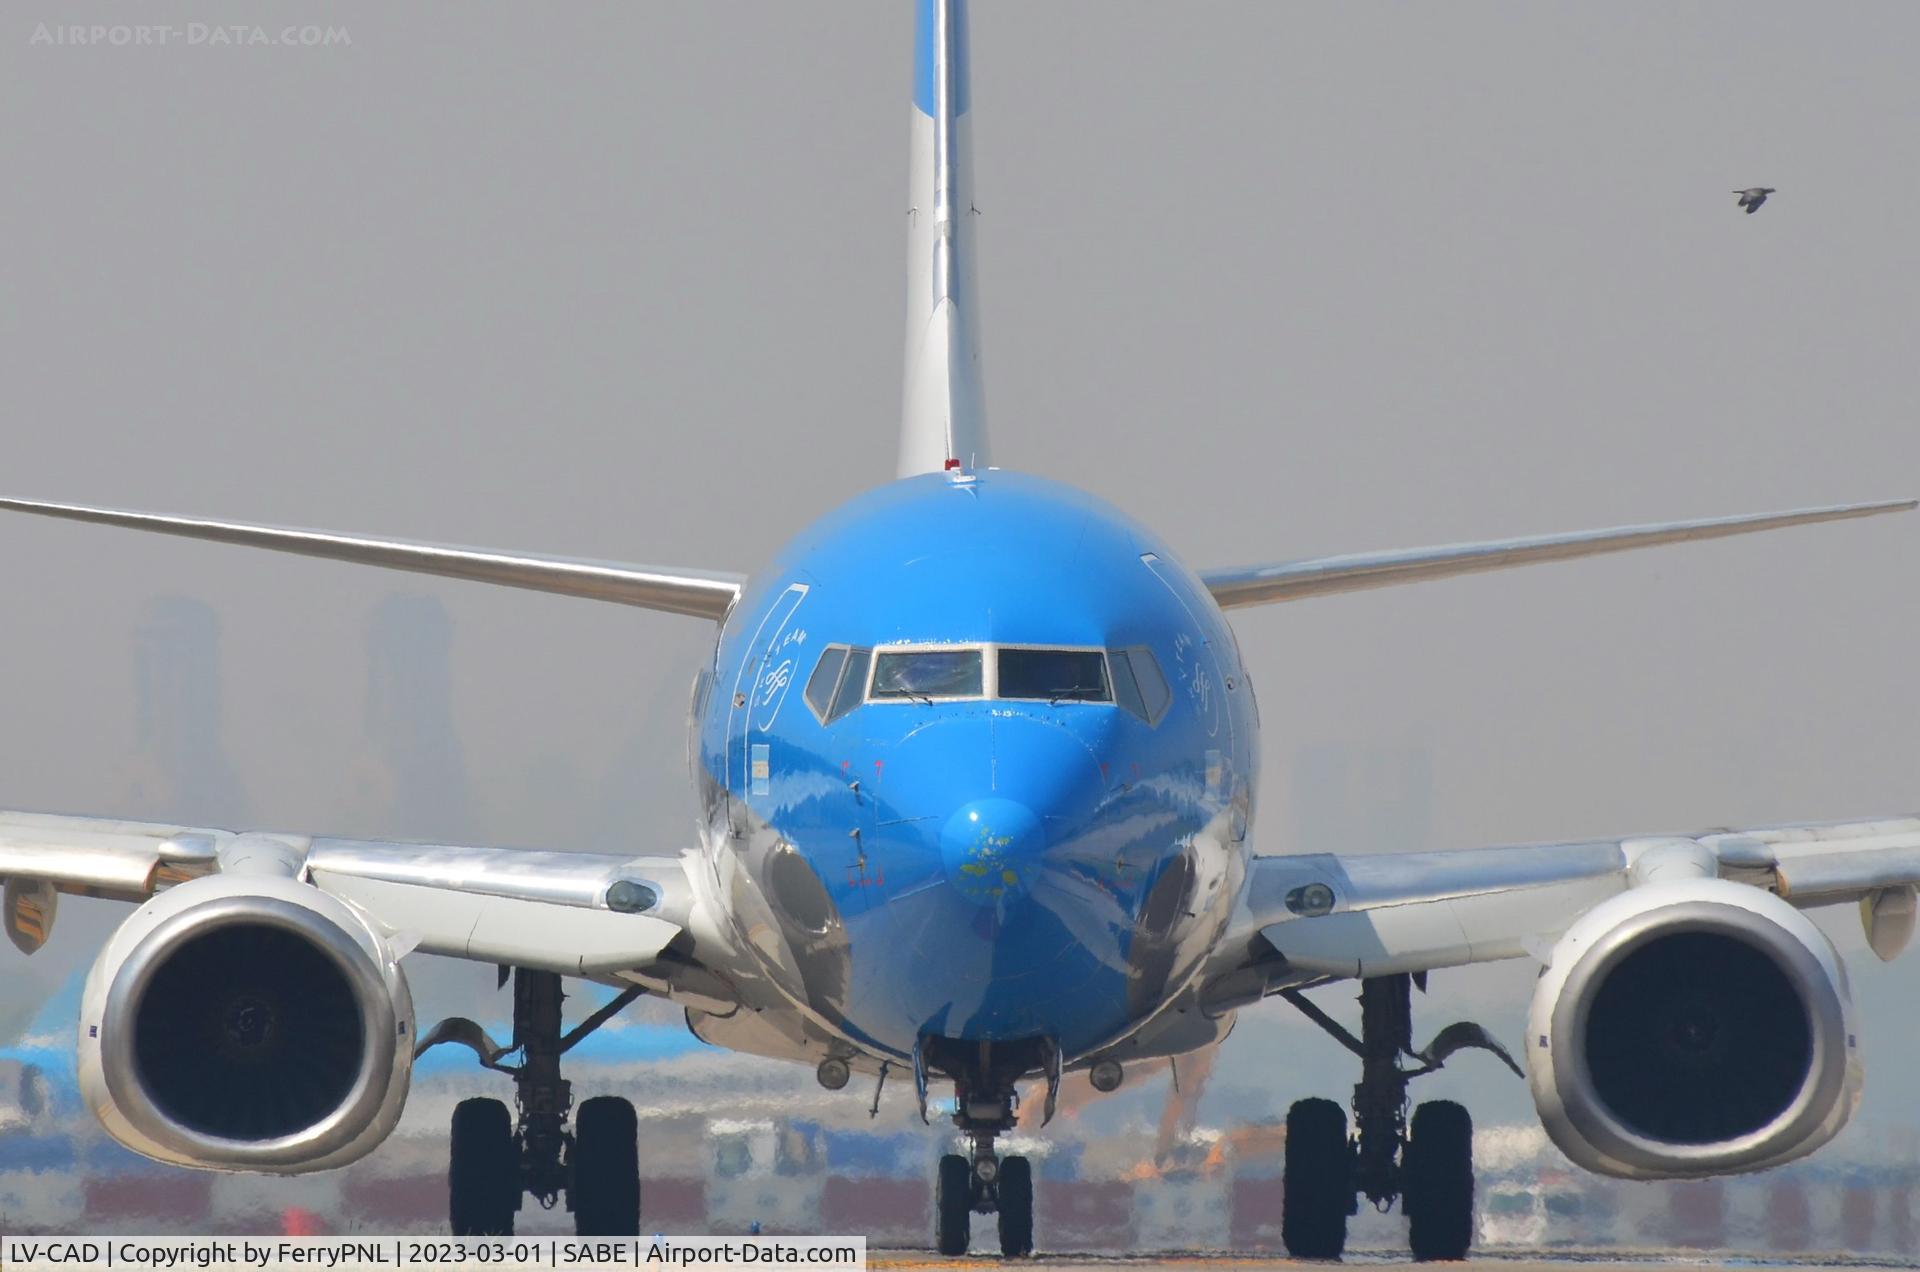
[979, 762]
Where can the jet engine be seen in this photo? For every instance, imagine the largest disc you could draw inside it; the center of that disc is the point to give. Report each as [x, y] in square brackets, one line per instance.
[247, 1022]
[1689, 1028]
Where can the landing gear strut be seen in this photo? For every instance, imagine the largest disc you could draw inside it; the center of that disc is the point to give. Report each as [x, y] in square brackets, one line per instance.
[494, 1158]
[982, 1182]
[1427, 1167]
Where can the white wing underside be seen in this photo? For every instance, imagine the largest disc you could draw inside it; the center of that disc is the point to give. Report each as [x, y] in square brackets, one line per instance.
[1415, 912]
[544, 910]
[1391, 912]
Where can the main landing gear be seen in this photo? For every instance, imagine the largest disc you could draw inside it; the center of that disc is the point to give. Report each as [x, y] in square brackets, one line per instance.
[495, 1158]
[982, 1182]
[1427, 1165]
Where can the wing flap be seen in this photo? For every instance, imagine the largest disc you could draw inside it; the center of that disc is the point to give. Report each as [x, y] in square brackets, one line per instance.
[1849, 874]
[102, 856]
[1324, 576]
[700, 593]
[1842, 861]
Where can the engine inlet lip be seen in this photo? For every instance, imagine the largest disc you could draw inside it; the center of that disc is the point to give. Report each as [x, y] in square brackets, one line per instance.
[377, 1020]
[1824, 1083]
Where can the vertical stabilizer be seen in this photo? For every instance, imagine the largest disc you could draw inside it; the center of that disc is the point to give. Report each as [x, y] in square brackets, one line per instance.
[942, 420]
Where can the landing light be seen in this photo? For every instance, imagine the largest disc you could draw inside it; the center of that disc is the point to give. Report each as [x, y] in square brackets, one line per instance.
[1106, 1076]
[833, 1073]
[1310, 901]
[628, 897]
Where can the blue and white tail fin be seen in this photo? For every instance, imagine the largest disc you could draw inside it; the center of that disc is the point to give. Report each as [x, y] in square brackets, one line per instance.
[943, 421]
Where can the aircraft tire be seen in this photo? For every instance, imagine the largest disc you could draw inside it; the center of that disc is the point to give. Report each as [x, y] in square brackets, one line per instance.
[1437, 1187]
[605, 1187]
[1016, 1207]
[953, 1205]
[1317, 1190]
[483, 1170]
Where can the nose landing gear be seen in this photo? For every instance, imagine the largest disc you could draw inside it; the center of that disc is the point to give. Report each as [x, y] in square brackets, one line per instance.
[981, 1181]
[984, 1183]
[1427, 1166]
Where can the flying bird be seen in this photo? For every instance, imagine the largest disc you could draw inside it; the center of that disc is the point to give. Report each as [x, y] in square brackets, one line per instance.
[1752, 199]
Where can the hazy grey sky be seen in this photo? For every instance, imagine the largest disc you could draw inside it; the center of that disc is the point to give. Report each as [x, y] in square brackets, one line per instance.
[626, 281]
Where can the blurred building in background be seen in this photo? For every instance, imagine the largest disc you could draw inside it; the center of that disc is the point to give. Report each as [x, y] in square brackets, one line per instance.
[412, 778]
[181, 769]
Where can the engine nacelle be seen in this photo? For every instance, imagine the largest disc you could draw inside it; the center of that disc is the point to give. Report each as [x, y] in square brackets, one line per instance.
[247, 1022]
[1689, 1028]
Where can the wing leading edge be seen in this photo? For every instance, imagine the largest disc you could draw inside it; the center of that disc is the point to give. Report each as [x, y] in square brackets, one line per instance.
[579, 914]
[1323, 576]
[1327, 916]
[699, 593]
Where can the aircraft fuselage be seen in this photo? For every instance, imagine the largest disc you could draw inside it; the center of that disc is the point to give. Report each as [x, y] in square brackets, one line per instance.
[1014, 804]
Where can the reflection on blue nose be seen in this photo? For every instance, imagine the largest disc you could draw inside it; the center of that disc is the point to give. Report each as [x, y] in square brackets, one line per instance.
[991, 849]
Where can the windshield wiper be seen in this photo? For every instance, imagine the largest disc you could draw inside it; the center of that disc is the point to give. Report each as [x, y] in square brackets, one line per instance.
[1072, 693]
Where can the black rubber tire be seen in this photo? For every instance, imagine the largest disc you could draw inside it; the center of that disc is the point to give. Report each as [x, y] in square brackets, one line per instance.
[953, 1205]
[1437, 1181]
[1317, 1190]
[1016, 1207]
[483, 1170]
[604, 1174]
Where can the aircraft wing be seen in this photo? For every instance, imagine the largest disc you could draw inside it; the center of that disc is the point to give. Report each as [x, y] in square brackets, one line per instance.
[1323, 576]
[1324, 916]
[579, 914]
[700, 593]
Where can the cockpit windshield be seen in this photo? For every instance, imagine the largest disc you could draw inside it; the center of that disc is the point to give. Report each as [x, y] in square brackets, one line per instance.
[1127, 678]
[928, 673]
[1057, 675]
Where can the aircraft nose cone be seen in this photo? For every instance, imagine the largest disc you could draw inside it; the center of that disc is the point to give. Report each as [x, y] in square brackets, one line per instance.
[991, 849]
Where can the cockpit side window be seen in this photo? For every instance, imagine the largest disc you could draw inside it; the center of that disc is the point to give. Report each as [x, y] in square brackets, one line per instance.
[1054, 675]
[853, 684]
[928, 674]
[825, 679]
[1126, 689]
[1138, 685]
[838, 682]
